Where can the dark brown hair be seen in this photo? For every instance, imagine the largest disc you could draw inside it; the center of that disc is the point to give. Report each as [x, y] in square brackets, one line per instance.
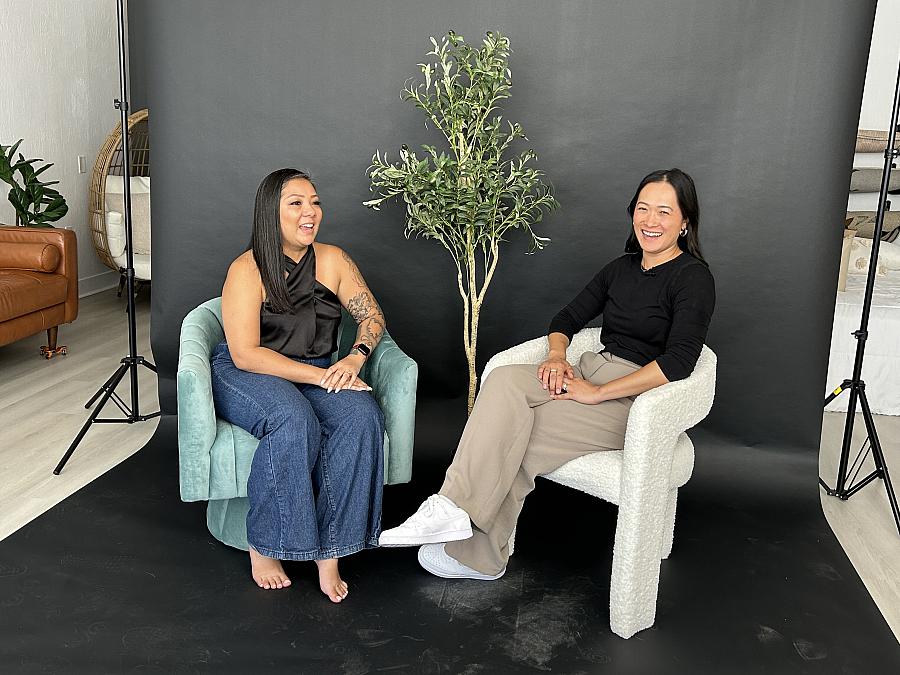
[686, 194]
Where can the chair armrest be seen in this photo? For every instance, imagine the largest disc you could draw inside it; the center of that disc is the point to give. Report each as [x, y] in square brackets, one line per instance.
[656, 419]
[534, 351]
[393, 377]
[677, 406]
[196, 414]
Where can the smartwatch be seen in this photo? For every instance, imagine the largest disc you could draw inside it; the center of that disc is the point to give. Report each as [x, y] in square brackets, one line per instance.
[363, 349]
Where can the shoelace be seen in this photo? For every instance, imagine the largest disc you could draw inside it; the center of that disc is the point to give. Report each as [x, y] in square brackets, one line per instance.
[428, 507]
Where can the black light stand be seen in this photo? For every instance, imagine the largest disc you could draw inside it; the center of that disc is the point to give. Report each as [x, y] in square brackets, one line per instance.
[846, 485]
[131, 362]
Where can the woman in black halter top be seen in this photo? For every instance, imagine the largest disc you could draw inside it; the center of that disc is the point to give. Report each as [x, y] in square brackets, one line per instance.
[316, 480]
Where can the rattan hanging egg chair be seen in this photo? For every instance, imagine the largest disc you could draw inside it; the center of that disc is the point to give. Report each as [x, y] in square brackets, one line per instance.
[107, 225]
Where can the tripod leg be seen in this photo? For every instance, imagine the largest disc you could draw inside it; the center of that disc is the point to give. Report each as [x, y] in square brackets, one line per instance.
[102, 388]
[113, 383]
[837, 392]
[845, 444]
[878, 455]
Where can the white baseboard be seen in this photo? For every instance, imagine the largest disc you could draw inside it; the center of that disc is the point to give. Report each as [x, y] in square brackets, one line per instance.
[97, 283]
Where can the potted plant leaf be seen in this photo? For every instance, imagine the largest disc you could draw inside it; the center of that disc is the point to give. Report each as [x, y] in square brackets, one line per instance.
[37, 204]
[470, 193]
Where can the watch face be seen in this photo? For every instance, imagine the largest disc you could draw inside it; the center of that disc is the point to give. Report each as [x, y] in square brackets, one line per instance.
[363, 349]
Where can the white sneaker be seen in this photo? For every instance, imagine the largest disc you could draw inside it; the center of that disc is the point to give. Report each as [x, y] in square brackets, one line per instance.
[435, 559]
[437, 520]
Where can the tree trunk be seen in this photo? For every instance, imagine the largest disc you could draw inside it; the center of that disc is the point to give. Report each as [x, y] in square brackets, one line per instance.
[470, 355]
[473, 383]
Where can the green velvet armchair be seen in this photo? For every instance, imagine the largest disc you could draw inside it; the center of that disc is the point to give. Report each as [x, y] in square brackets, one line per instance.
[215, 456]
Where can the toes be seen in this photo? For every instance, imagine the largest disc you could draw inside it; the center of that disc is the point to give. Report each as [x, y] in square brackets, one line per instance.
[341, 589]
[279, 581]
[272, 582]
[335, 592]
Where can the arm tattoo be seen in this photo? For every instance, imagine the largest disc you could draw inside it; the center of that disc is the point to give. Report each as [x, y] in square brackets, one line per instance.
[354, 270]
[364, 309]
[362, 306]
[367, 314]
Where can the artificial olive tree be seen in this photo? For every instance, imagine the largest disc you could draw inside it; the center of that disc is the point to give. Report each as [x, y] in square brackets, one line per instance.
[471, 193]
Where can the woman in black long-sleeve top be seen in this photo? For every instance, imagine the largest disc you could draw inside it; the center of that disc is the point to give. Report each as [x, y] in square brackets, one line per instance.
[656, 302]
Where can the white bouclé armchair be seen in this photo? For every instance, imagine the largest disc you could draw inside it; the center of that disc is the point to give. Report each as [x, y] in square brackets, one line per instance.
[643, 478]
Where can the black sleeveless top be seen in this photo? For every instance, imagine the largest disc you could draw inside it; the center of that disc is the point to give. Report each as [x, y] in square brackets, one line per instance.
[310, 331]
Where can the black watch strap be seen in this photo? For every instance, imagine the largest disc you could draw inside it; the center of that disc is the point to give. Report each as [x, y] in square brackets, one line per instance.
[363, 349]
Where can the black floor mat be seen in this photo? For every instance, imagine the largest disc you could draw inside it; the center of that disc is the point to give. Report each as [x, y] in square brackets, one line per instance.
[122, 576]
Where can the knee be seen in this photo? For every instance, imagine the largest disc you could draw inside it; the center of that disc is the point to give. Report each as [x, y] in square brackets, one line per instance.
[514, 376]
[294, 420]
[360, 414]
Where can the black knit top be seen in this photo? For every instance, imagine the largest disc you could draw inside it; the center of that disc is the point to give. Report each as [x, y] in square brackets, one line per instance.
[311, 329]
[662, 314]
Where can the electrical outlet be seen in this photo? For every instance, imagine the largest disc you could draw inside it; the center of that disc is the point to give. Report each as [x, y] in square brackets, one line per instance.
[81, 164]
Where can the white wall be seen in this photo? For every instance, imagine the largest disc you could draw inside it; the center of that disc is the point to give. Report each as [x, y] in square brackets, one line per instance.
[884, 60]
[878, 94]
[58, 78]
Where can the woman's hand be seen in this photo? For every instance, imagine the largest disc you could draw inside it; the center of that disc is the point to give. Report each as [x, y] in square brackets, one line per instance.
[344, 374]
[552, 371]
[577, 389]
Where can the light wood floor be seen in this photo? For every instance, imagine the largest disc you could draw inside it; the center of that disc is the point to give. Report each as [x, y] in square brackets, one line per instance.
[864, 524]
[41, 411]
[42, 408]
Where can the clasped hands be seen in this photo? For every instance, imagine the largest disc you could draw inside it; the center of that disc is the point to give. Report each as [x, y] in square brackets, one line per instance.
[344, 374]
[557, 376]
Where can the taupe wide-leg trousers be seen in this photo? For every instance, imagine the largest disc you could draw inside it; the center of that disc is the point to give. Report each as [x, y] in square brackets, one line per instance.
[515, 433]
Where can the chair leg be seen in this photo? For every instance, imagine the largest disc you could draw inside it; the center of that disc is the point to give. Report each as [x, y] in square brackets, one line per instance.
[668, 533]
[634, 584]
[49, 350]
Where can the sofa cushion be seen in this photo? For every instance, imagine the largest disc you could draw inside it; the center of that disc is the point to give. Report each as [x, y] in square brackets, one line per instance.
[23, 292]
[38, 256]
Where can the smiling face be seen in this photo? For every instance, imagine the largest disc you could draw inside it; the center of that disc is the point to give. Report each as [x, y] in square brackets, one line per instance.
[300, 213]
[658, 221]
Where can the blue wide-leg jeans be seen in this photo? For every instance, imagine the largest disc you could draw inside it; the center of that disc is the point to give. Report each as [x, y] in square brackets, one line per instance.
[317, 475]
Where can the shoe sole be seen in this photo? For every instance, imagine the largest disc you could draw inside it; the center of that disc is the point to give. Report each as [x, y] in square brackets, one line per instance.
[477, 576]
[439, 538]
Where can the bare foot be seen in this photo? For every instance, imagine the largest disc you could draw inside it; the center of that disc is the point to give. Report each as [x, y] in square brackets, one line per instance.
[330, 581]
[267, 572]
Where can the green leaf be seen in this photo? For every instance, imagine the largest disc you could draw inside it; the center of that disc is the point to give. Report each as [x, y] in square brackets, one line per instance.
[467, 190]
[35, 202]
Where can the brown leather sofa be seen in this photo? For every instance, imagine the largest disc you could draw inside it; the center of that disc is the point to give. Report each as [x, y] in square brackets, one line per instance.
[38, 283]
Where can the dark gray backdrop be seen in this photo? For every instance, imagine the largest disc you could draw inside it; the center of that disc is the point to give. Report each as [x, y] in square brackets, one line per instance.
[758, 101]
